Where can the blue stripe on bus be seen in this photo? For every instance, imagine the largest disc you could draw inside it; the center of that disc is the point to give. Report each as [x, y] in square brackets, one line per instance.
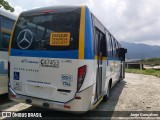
[88, 50]
[2, 70]
[72, 54]
[113, 58]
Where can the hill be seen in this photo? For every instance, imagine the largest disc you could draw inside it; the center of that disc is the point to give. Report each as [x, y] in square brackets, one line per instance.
[141, 51]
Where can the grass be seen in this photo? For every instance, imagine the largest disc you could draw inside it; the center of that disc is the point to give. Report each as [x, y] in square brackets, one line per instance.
[146, 72]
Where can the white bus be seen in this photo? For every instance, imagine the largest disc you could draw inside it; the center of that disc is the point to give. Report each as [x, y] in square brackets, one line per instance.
[63, 58]
[6, 25]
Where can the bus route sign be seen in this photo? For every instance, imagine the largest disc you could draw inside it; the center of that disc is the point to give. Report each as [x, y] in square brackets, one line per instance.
[60, 39]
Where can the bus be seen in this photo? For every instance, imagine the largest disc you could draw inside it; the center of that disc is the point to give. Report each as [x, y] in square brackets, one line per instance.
[63, 58]
[6, 25]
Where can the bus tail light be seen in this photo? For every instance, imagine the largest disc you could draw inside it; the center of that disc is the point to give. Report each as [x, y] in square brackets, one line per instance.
[12, 96]
[81, 75]
[77, 97]
[67, 106]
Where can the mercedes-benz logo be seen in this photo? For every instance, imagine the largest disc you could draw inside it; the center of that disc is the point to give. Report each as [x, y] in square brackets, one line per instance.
[24, 39]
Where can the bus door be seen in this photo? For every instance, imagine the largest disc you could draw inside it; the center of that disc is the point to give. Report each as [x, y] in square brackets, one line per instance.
[100, 38]
[122, 52]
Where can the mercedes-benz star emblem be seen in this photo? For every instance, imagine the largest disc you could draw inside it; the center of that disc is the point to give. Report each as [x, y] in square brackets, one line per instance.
[24, 39]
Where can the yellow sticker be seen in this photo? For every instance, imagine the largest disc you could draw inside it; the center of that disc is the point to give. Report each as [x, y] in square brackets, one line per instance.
[60, 39]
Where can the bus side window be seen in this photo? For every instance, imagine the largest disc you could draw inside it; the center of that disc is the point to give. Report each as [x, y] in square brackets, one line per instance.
[103, 45]
[114, 47]
[100, 47]
[7, 23]
[6, 28]
[119, 52]
[117, 48]
[0, 33]
[109, 43]
[5, 40]
[96, 41]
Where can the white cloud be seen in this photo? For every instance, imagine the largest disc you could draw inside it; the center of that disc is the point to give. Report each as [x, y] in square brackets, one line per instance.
[150, 42]
[127, 20]
[18, 10]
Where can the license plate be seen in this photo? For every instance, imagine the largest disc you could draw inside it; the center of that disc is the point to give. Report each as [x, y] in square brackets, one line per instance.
[60, 39]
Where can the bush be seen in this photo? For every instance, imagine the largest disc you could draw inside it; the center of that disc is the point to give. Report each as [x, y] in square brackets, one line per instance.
[146, 72]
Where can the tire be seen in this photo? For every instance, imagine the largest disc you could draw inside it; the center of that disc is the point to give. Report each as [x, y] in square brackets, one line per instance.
[106, 97]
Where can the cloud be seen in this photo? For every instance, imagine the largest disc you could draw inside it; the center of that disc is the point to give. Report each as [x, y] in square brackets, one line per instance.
[18, 10]
[128, 20]
[134, 21]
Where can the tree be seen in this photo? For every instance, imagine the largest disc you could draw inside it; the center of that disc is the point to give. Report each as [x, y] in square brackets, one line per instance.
[6, 5]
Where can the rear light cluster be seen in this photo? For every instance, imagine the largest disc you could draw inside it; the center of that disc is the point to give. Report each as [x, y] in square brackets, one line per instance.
[49, 11]
[67, 106]
[81, 75]
[12, 96]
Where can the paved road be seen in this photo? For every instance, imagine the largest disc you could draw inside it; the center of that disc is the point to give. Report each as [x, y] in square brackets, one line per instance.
[135, 93]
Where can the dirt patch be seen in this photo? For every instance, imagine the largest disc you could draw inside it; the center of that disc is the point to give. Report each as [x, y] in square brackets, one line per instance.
[140, 93]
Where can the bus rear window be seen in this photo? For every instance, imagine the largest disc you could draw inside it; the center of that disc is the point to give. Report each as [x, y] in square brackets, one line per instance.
[51, 31]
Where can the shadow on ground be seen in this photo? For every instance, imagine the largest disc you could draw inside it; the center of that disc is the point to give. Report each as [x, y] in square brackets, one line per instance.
[108, 108]
[4, 99]
[114, 97]
[5, 102]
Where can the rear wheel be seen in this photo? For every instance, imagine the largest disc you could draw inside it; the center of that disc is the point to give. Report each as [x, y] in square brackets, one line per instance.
[106, 97]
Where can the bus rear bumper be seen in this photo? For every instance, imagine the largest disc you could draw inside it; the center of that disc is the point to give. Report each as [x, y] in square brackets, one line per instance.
[75, 105]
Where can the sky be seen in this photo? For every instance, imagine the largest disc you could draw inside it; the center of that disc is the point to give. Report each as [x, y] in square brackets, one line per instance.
[136, 21]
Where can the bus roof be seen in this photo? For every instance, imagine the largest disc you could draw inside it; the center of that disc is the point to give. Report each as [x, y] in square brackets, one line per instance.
[49, 9]
[7, 14]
